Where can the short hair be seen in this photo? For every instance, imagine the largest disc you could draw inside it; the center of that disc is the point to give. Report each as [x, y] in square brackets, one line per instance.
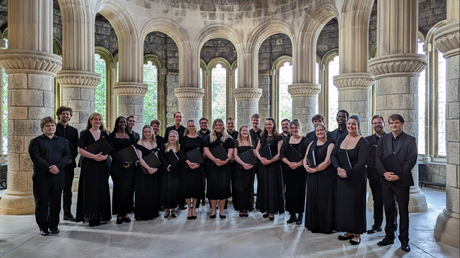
[204, 118]
[62, 109]
[174, 115]
[155, 121]
[284, 120]
[131, 116]
[295, 122]
[343, 111]
[45, 120]
[395, 117]
[256, 116]
[230, 118]
[317, 117]
[376, 117]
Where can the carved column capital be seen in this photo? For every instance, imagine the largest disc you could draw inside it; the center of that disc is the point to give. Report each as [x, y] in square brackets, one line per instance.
[409, 65]
[30, 61]
[80, 79]
[304, 89]
[189, 93]
[353, 80]
[130, 88]
[447, 39]
[247, 93]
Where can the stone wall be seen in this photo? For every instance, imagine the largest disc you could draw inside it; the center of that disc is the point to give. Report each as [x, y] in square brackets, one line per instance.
[264, 101]
[218, 48]
[430, 13]
[106, 37]
[273, 47]
[164, 47]
[328, 39]
[436, 173]
[172, 80]
[3, 17]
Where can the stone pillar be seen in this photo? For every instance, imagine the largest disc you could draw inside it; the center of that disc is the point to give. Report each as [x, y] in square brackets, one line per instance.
[131, 101]
[304, 102]
[396, 70]
[447, 40]
[190, 103]
[247, 104]
[31, 66]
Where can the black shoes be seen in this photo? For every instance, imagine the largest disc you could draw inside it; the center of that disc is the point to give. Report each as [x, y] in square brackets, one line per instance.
[173, 214]
[266, 215]
[352, 242]
[222, 216]
[299, 219]
[167, 213]
[405, 247]
[213, 216]
[386, 241]
[343, 238]
[119, 221]
[44, 232]
[126, 219]
[374, 230]
[292, 219]
[54, 230]
[69, 217]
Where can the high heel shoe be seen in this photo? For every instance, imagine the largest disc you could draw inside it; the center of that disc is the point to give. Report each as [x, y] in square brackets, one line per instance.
[213, 216]
[292, 218]
[173, 214]
[119, 220]
[299, 219]
[272, 218]
[266, 215]
[126, 219]
[167, 213]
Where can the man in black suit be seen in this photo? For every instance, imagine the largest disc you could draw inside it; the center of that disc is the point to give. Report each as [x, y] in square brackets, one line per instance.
[155, 124]
[64, 130]
[337, 134]
[396, 155]
[373, 175]
[49, 154]
[255, 130]
[131, 123]
[177, 125]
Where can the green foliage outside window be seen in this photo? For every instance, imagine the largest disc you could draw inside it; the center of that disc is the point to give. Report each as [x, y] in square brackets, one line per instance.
[100, 95]
[150, 98]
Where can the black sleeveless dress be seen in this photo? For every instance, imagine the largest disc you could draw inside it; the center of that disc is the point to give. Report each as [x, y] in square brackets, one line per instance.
[170, 182]
[321, 185]
[218, 187]
[191, 181]
[147, 198]
[242, 184]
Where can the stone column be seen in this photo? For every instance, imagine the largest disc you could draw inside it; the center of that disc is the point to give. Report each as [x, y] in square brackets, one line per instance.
[396, 70]
[447, 40]
[131, 101]
[247, 100]
[304, 102]
[31, 66]
[77, 78]
[189, 103]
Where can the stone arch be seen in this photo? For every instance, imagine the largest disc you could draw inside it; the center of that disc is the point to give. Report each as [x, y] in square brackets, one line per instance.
[218, 31]
[168, 27]
[267, 29]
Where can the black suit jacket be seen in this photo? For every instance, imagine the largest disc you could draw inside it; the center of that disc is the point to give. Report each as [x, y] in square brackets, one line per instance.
[180, 131]
[406, 152]
[72, 139]
[336, 135]
[372, 172]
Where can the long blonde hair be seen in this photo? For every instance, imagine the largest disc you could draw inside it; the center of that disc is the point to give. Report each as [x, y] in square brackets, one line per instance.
[240, 137]
[168, 145]
[213, 135]
[90, 118]
[152, 141]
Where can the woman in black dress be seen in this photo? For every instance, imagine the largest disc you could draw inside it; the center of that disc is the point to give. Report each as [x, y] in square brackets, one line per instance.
[93, 188]
[349, 157]
[295, 175]
[146, 184]
[242, 177]
[192, 179]
[219, 171]
[170, 190]
[122, 171]
[270, 192]
[321, 183]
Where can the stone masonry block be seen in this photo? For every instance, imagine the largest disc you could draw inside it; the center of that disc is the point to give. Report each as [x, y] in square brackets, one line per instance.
[453, 91]
[453, 69]
[453, 110]
[70, 93]
[16, 144]
[40, 112]
[452, 175]
[125, 109]
[17, 181]
[381, 102]
[27, 127]
[25, 98]
[402, 101]
[40, 82]
[48, 99]
[83, 116]
[17, 112]
[453, 130]
[79, 105]
[453, 202]
[345, 105]
[17, 81]
[13, 161]
[87, 94]
[11, 126]
[453, 150]
[358, 106]
[26, 164]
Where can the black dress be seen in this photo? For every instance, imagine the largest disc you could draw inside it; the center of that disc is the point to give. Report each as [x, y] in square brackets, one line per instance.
[295, 180]
[321, 185]
[270, 192]
[147, 198]
[350, 213]
[123, 178]
[218, 187]
[170, 182]
[93, 188]
[243, 184]
[191, 180]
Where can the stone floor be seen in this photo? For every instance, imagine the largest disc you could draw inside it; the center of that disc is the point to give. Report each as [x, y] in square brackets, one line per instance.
[232, 237]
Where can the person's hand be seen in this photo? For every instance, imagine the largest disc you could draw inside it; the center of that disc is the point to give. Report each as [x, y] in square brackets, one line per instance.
[342, 173]
[152, 170]
[262, 159]
[168, 168]
[292, 165]
[70, 161]
[309, 169]
[53, 169]
[127, 164]
[266, 161]
[390, 176]
[194, 165]
[220, 163]
[100, 157]
[247, 166]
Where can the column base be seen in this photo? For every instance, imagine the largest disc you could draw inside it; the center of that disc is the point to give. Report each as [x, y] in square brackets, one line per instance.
[417, 200]
[447, 227]
[17, 204]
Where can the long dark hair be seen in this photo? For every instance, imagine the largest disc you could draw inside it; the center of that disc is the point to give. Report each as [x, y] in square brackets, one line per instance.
[264, 134]
[115, 128]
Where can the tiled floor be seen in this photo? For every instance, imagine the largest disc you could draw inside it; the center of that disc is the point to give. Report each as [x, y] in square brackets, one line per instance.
[232, 237]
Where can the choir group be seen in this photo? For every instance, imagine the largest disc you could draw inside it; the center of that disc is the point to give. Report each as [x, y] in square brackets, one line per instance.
[320, 178]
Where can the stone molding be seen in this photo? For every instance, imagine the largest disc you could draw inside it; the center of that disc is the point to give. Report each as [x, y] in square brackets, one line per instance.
[397, 65]
[247, 93]
[30, 61]
[353, 81]
[130, 89]
[304, 89]
[189, 93]
[447, 39]
[78, 79]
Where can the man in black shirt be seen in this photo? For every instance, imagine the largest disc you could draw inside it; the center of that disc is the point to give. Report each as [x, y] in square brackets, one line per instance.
[317, 119]
[395, 157]
[156, 124]
[231, 128]
[285, 127]
[131, 123]
[49, 154]
[177, 125]
[64, 130]
[255, 130]
[204, 131]
[342, 117]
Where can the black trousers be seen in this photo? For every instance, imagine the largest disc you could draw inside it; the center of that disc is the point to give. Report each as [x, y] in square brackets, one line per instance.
[67, 191]
[47, 190]
[389, 192]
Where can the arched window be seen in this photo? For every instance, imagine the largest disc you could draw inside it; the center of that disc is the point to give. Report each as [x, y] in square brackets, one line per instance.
[219, 92]
[333, 70]
[441, 105]
[421, 104]
[5, 109]
[150, 98]
[100, 95]
[285, 99]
